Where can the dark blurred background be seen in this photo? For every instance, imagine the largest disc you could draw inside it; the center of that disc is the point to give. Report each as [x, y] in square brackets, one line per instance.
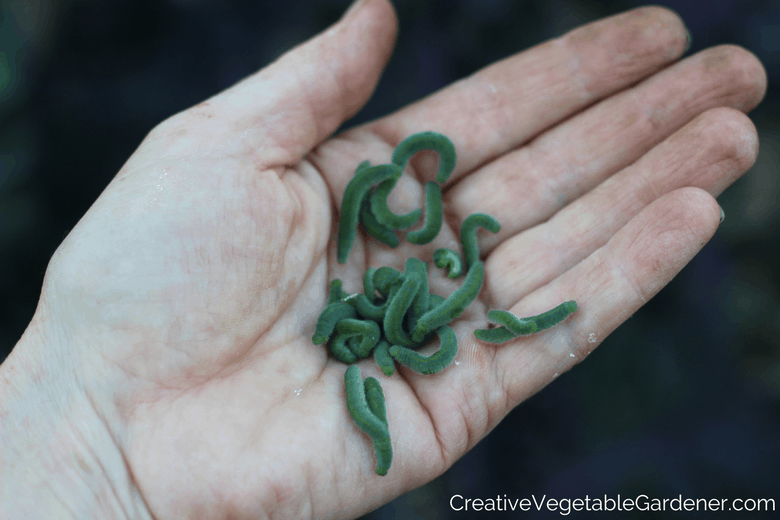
[684, 398]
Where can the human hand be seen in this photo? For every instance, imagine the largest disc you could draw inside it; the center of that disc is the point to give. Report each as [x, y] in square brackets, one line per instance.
[184, 302]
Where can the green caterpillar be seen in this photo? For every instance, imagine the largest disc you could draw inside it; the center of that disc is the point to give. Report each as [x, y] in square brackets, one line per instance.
[514, 326]
[434, 216]
[437, 361]
[444, 258]
[453, 306]
[357, 189]
[441, 144]
[367, 418]
[468, 235]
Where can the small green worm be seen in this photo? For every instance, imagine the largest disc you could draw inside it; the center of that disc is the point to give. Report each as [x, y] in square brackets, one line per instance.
[375, 228]
[396, 310]
[356, 190]
[444, 258]
[383, 358]
[365, 419]
[417, 267]
[375, 399]
[497, 335]
[468, 235]
[330, 316]
[340, 350]
[367, 329]
[553, 316]
[439, 143]
[437, 361]
[384, 278]
[433, 216]
[518, 326]
[382, 213]
[368, 310]
[453, 306]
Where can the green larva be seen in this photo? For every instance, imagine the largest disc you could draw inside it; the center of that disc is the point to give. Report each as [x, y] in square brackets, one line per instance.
[428, 141]
[331, 315]
[518, 326]
[356, 190]
[433, 216]
[375, 399]
[368, 310]
[444, 258]
[416, 267]
[437, 361]
[367, 329]
[554, 316]
[468, 235]
[453, 306]
[365, 419]
[384, 278]
[382, 213]
[383, 358]
[375, 228]
[396, 310]
[340, 350]
[336, 292]
[497, 335]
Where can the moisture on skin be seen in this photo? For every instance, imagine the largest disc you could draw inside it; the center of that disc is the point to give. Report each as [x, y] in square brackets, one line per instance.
[439, 143]
[437, 361]
[444, 258]
[356, 190]
[434, 216]
[468, 235]
[453, 306]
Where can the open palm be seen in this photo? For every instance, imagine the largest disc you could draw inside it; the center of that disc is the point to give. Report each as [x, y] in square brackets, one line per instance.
[190, 290]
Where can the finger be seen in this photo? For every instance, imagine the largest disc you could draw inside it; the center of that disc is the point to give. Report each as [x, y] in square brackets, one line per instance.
[527, 186]
[505, 104]
[609, 286]
[280, 113]
[710, 153]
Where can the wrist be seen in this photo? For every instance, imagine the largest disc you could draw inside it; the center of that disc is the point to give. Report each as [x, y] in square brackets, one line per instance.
[58, 456]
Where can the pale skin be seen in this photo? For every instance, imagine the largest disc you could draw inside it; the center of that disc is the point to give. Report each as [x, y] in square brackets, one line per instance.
[169, 371]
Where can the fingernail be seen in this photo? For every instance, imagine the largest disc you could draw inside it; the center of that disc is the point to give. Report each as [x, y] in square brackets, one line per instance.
[722, 215]
[354, 7]
[689, 40]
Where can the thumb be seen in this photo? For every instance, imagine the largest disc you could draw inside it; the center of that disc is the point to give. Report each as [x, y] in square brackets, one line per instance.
[290, 106]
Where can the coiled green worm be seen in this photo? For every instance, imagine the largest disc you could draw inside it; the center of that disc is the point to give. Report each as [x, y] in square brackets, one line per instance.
[366, 419]
[439, 143]
[437, 361]
[468, 235]
[375, 399]
[518, 326]
[383, 215]
[453, 306]
[336, 292]
[366, 329]
[383, 358]
[330, 316]
[444, 258]
[397, 309]
[368, 310]
[368, 284]
[356, 190]
[375, 228]
[434, 216]
[384, 278]
[340, 350]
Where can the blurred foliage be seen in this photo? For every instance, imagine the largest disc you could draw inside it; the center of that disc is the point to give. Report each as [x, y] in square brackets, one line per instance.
[683, 398]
